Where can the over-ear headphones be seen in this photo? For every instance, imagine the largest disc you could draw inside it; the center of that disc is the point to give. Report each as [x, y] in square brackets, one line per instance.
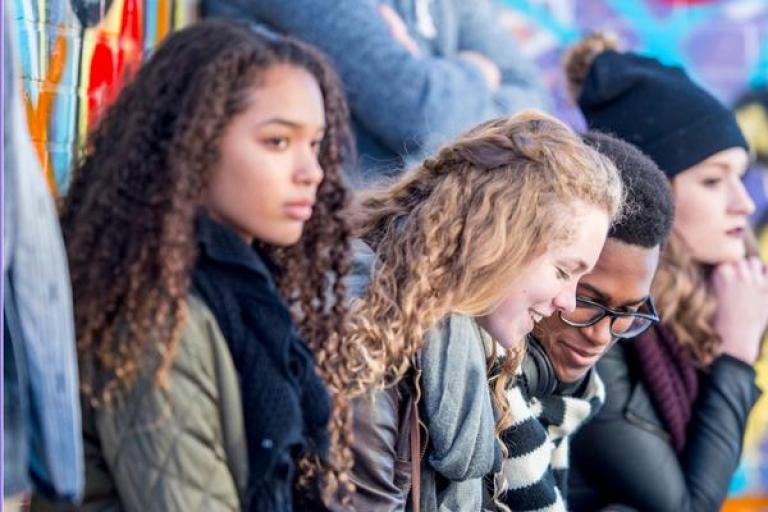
[538, 375]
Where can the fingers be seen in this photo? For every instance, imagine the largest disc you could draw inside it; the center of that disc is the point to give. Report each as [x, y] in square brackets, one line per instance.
[724, 273]
[398, 28]
[757, 271]
[745, 271]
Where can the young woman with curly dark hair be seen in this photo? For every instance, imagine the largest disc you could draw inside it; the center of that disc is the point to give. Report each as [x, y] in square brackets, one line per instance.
[207, 249]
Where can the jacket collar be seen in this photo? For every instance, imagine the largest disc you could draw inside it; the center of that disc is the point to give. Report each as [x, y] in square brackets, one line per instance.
[222, 245]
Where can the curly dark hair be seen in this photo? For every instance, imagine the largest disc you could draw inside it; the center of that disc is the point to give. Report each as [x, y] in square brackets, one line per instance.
[649, 207]
[128, 219]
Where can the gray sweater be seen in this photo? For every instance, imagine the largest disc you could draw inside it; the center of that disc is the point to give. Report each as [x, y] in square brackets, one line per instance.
[403, 105]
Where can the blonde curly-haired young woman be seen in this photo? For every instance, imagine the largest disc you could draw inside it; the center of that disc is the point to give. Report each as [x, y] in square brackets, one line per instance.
[481, 241]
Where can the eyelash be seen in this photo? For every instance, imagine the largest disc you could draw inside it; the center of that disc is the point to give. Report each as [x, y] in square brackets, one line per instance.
[276, 142]
[562, 274]
[711, 182]
[283, 142]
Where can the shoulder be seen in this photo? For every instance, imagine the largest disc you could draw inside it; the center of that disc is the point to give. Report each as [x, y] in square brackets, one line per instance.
[202, 345]
[195, 414]
[200, 363]
[616, 374]
[626, 397]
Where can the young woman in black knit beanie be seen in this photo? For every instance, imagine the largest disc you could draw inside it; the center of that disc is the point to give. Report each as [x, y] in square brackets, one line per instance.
[669, 437]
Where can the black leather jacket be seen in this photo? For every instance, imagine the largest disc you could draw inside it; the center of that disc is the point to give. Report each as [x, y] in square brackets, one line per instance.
[624, 456]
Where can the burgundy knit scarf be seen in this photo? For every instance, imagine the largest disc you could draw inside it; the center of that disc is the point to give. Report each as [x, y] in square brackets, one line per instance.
[671, 379]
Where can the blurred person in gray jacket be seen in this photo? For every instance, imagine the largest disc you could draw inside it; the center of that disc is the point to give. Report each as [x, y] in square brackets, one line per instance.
[42, 445]
[417, 72]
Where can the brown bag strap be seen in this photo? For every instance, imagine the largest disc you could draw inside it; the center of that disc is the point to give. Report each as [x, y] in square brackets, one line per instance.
[415, 458]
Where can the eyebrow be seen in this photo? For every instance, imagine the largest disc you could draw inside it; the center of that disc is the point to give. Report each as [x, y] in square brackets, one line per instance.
[604, 297]
[727, 168]
[576, 266]
[724, 168]
[287, 122]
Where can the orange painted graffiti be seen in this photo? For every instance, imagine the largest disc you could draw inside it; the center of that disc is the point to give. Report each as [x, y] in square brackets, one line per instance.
[40, 109]
[75, 60]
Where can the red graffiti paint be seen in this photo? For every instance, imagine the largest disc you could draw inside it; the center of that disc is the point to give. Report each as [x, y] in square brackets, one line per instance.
[115, 58]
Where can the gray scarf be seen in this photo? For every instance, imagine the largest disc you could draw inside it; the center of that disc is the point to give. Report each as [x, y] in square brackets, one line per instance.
[457, 411]
[455, 406]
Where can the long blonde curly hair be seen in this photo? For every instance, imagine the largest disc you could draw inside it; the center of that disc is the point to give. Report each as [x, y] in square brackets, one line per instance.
[451, 231]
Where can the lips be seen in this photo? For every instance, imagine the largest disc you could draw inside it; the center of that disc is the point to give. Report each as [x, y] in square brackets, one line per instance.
[579, 357]
[299, 210]
[736, 232]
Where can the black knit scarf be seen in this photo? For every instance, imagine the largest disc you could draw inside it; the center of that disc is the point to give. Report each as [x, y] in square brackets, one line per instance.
[285, 404]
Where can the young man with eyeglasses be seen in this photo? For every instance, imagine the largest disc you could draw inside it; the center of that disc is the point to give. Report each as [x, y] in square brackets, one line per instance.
[556, 388]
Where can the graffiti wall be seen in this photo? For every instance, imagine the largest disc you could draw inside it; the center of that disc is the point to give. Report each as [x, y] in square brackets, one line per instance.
[74, 56]
[724, 45]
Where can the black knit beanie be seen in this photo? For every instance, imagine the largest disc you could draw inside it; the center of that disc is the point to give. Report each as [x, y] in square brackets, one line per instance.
[658, 109]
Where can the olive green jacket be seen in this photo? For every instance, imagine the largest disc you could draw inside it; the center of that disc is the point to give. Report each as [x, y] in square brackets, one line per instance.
[179, 449]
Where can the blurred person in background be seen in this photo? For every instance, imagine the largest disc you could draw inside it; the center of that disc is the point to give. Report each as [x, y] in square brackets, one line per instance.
[677, 398]
[417, 72]
[42, 440]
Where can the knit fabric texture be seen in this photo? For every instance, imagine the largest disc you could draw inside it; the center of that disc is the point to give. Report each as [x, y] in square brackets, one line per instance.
[286, 406]
[535, 471]
[658, 109]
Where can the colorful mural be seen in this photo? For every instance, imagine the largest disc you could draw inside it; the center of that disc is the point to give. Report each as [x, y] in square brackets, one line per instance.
[75, 55]
[724, 45]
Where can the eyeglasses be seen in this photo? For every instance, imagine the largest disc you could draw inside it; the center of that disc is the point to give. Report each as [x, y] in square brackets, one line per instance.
[623, 324]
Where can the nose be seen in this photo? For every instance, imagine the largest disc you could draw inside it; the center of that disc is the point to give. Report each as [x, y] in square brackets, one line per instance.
[741, 203]
[598, 334]
[308, 169]
[565, 301]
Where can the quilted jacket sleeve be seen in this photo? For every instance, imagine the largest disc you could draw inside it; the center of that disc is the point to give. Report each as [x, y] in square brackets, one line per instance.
[178, 449]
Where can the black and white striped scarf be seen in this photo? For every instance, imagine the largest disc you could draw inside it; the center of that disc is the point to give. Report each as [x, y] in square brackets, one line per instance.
[534, 475]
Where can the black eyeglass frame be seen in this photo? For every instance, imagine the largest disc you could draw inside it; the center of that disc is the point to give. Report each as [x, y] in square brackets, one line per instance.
[605, 311]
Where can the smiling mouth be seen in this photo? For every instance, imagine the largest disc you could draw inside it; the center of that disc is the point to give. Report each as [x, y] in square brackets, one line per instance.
[536, 316]
[582, 353]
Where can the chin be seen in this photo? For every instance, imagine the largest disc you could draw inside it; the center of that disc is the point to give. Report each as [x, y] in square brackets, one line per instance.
[285, 237]
[571, 376]
[288, 241]
[511, 342]
[728, 252]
